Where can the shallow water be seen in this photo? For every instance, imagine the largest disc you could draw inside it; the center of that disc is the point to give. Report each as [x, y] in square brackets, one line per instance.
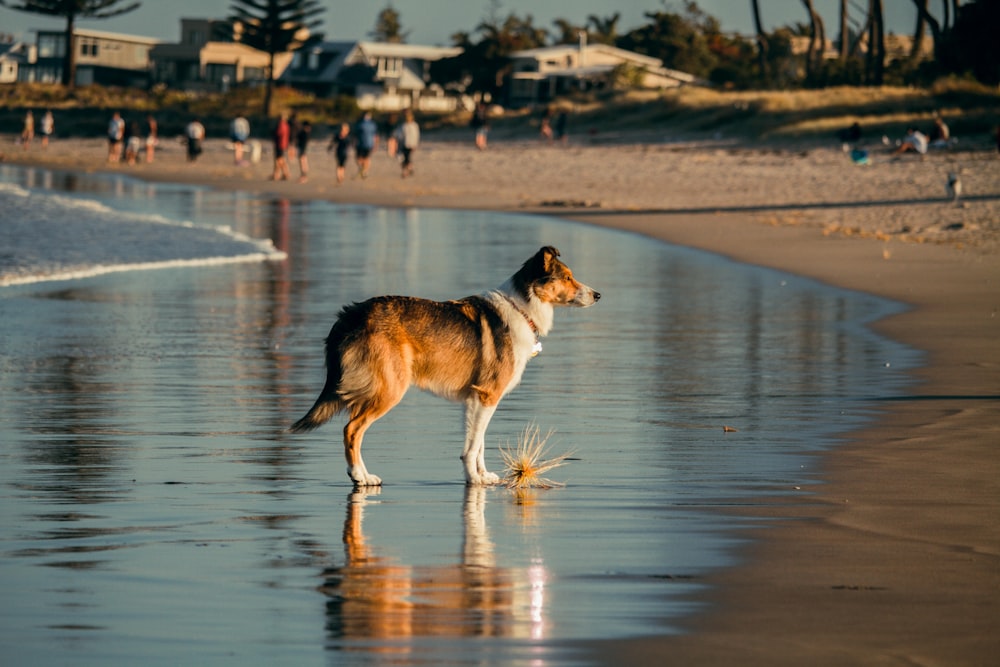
[153, 510]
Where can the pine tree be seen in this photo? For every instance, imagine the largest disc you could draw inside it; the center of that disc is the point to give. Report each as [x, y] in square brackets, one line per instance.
[72, 10]
[275, 26]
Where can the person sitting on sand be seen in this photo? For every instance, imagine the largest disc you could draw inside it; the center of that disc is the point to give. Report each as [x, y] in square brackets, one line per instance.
[940, 134]
[915, 141]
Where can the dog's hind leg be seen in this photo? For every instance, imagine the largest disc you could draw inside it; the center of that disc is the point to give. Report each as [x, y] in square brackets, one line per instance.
[477, 418]
[354, 435]
[363, 416]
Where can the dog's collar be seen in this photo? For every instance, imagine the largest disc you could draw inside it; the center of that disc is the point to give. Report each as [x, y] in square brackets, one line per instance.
[527, 318]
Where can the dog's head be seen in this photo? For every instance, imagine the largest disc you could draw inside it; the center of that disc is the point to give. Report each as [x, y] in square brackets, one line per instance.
[547, 279]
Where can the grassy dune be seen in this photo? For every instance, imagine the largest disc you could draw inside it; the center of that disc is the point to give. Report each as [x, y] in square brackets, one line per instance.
[972, 111]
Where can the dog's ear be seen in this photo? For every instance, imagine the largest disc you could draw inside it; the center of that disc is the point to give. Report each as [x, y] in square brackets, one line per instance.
[547, 255]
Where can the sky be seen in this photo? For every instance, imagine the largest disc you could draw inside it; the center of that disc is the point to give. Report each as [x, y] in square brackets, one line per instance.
[432, 22]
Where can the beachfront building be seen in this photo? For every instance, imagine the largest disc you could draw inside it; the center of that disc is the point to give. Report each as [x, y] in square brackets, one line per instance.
[540, 75]
[13, 56]
[106, 58]
[380, 76]
[211, 57]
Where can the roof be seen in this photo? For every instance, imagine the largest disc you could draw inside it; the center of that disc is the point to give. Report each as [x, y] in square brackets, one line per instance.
[100, 34]
[563, 49]
[354, 59]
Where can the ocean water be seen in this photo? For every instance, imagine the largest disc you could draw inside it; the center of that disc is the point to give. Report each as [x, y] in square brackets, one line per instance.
[156, 340]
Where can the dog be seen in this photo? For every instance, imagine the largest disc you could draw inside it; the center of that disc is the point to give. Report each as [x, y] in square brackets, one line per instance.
[472, 350]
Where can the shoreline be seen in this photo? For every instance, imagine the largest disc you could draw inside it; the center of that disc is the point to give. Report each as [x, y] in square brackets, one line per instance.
[896, 558]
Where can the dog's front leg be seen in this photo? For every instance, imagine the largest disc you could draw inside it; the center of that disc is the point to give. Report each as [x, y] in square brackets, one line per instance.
[477, 418]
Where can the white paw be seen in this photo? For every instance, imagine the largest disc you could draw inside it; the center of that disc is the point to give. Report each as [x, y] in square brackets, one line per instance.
[364, 478]
[483, 479]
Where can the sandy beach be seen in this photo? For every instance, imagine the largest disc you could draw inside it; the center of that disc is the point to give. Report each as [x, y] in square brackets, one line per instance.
[896, 559]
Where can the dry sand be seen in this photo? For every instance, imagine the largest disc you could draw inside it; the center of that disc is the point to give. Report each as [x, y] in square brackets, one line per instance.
[897, 559]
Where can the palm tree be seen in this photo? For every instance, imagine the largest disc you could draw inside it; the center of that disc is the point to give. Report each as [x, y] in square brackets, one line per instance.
[761, 40]
[817, 38]
[275, 26]
[72, 10]
[605, 29]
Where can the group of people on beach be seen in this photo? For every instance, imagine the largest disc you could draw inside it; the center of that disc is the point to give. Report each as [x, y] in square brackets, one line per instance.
[291, 139]
[46, 127]
[126, 140]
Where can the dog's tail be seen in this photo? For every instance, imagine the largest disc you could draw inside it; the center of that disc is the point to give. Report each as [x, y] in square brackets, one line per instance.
[323, 410]
[330, 402]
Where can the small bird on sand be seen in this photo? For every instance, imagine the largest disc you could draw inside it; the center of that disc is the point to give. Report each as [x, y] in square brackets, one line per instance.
[954, 186]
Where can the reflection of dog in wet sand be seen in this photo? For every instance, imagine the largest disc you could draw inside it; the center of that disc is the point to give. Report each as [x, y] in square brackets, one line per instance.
[472, 350]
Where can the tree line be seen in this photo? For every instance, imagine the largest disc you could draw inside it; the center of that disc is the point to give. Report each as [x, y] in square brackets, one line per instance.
[689, 40]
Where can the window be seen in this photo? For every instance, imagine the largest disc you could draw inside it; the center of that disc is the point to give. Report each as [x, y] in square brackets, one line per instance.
[51, 46]
[389, 67]
[88, 47]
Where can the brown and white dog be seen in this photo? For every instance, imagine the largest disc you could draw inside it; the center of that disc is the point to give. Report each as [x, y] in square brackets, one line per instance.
[472, 350]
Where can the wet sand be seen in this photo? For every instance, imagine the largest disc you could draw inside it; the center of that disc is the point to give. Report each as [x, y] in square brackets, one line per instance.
[897, 560]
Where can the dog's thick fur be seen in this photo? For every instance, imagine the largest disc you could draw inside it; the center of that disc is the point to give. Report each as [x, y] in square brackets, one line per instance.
[472, 350]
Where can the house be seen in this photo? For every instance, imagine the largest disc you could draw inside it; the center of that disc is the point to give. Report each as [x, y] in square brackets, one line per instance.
[381, 76]
[211, 57]
[101, 57]
[540, 75]
[13, 57]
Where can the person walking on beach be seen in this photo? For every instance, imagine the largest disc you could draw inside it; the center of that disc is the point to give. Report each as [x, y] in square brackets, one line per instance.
[366, 137]
[293, 132]
[152, 137]
[133, 144]
[47, 127]
[28, 132]
[239, 132]
[281, 140]
[407, 139]
[116, 134]
[560, 128]
[301, 144]
[481, 124]
[195, 135]
[546, 127]
[341, 144]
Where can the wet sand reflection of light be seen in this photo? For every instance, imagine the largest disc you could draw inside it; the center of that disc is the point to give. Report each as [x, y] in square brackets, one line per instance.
[376, 597]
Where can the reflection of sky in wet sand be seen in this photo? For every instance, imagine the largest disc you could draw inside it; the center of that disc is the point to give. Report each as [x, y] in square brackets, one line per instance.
[152, 509]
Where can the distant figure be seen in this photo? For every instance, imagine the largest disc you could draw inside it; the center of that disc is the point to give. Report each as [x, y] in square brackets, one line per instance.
[954, 186]
[152, 137]
[366, 139]
[28, 131]
[915, 142]
[195, 136]
[116, 134]
[293, 131]
[389, 130]
[852, 134]
[301, 144]
[281, 140]
[940, 134]
[239, 132]
[341, 144]
[133, 144]
[546, 126]
[560, 129]
[408, 138]
[481, 124]
[47, 127]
